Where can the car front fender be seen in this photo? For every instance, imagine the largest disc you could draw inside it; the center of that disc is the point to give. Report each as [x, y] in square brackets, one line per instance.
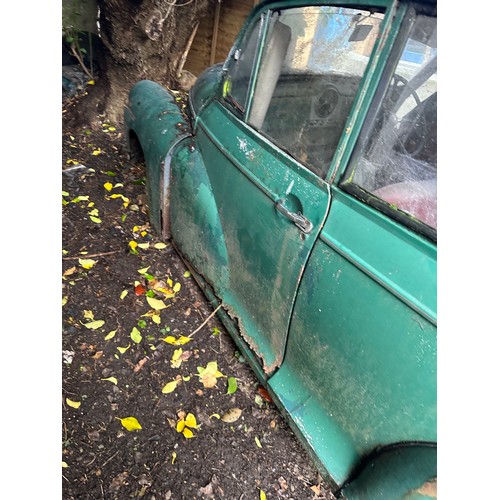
[154, 119]
[402, 471]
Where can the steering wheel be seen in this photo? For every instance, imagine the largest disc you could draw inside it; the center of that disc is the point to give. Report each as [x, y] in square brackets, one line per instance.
[399, 82]
[410, 142]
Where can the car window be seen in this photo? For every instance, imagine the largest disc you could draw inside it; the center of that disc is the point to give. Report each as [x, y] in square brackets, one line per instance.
[241, 66]
[397, 160]
[311, 68]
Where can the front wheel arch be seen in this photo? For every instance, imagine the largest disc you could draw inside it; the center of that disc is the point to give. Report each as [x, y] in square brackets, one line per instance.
[406, 470]
[134, 148]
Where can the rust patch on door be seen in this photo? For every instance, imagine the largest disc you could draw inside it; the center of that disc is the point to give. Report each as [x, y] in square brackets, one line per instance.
[268, 368]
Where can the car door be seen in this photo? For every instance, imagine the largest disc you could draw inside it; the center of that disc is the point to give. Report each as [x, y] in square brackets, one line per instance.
[266, 144]
[360, 370]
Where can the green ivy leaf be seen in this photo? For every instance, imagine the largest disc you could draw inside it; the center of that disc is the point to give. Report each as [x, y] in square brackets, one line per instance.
[232, 385]
[135, 335]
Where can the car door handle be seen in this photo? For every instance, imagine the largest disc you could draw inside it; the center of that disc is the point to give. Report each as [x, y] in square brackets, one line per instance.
[303, 223]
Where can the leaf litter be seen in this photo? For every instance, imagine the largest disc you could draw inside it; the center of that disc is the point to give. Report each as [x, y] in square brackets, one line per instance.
[176, 408]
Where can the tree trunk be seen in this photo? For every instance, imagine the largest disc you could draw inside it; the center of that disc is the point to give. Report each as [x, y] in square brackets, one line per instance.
[142, 39]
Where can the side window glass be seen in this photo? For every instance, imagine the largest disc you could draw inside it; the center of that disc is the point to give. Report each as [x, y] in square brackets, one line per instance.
[241, 66]
[311, 68]
[397, 159]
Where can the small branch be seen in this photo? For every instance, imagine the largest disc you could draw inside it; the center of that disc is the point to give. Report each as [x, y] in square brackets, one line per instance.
[80, 61]
[88, 256]
[215, 33]
[186, 50]
[206, 321]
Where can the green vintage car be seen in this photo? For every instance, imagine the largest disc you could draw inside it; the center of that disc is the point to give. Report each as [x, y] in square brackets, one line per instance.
[301, 191]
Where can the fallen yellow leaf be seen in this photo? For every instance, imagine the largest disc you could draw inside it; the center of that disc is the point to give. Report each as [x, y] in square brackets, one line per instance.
[108, 186]
[110, 335]
[111, 379]
[175, 362]
[123, 349]
[209, 374]
[126, 201]
[191, 421]
[87, 263]
[135, 335]
[80, 198]
[160, 246]
[188, 433]
[156, 304]
[130, 423]
[170, 387]
[176, 341]
[73, 404]
[123, 294]
[94, 325]
[184, 423]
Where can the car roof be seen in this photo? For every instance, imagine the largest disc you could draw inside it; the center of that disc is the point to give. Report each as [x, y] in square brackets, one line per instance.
[298, 3]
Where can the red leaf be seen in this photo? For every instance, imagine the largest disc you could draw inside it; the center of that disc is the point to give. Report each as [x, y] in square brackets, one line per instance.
[264, 394]
[139, 290]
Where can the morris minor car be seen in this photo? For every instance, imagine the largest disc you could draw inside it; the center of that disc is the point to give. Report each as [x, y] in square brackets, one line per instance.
[300, 189]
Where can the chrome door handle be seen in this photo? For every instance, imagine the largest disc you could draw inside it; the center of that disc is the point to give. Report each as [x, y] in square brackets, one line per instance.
[304, 224]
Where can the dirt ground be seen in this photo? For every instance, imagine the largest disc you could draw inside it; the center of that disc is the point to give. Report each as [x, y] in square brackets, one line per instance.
[118, 364]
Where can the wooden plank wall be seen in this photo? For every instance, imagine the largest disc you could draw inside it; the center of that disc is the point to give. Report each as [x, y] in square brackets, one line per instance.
[216, 34]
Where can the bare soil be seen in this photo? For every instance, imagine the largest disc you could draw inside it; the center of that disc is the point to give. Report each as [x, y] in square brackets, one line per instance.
[119, 369]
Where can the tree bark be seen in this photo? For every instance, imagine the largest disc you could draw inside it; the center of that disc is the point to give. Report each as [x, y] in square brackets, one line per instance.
[142, 39]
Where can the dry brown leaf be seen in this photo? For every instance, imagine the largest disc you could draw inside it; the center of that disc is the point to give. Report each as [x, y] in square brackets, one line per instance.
[316, 488]
[232, 415]
[283, 484]
[140, 364]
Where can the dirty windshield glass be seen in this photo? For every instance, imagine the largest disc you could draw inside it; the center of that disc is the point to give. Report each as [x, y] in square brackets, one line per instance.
[397, 161]
[312, 65]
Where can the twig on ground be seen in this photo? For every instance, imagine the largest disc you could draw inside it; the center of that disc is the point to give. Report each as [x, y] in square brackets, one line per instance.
[110, 458]
[206, 321]
[93, 255]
